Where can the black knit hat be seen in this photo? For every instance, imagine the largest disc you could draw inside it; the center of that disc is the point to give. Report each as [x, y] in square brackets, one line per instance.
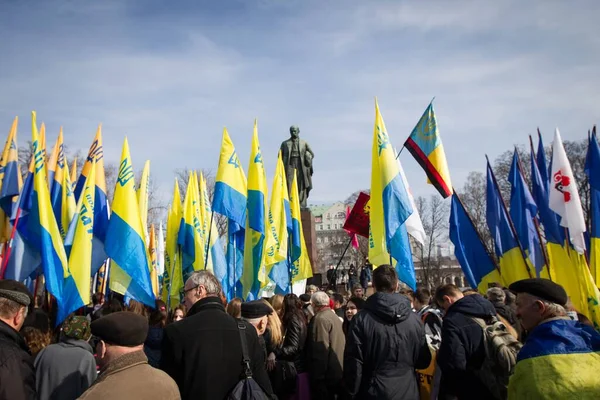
[122, 328]
[255, 309]
[543, 288]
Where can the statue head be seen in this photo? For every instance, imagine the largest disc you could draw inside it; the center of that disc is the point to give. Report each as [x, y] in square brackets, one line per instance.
[294, 131]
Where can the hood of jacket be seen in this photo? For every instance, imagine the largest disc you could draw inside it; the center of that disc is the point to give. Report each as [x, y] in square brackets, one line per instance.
[473, 305]
[391, 308]
[70, 342]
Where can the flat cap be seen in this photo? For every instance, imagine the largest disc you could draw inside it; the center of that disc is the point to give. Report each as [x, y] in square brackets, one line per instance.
[122, 328]
[255, 309]
[543, 288]
[15, 291]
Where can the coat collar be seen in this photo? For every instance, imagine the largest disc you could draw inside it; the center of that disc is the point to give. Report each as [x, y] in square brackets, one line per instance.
[12, 335]
[122, 363]
[206, 304]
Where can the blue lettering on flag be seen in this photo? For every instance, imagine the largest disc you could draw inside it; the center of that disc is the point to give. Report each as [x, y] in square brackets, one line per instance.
[233, 160]
[125, 172]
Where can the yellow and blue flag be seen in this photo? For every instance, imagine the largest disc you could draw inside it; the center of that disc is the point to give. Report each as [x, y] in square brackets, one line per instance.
[301, 268]
[10, 180]
[101, 212]
[477, 265]
[78, 285]
[74, 174]
[153, 261]
[230, 198]
[143, 197]
[390, 208]
[508, 249]
[173, 281]
[190, 236]
[256, 222]
[61, 189]
[214, 257]
[42, 227]
[425, 144]
[523, 212]
[592, 170]
[125, 243]
[56, 156]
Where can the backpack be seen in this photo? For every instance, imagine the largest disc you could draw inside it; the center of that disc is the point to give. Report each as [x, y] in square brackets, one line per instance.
[247, 388]
[501, 349]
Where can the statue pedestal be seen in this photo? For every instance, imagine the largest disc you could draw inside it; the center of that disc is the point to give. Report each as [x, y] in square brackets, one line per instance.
[310, 237]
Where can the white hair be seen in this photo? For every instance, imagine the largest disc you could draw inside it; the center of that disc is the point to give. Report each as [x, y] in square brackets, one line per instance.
[320, 299]
[208, 280]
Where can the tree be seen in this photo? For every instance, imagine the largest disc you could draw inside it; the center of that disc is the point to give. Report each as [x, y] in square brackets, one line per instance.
[434, 215]
[502, 166]
[473, 196]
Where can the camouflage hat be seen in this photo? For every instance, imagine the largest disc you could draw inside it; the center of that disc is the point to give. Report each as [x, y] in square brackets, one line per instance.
[77, 327]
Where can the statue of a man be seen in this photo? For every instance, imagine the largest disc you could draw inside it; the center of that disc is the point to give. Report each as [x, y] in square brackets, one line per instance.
[297, 156]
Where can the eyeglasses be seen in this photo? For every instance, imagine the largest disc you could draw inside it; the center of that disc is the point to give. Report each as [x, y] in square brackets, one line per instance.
[183, 291]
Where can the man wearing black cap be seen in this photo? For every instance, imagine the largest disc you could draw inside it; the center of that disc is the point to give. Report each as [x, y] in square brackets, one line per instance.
[124, 368]
[203, 352]
[561, 357]
[256, 312]
[17, 377]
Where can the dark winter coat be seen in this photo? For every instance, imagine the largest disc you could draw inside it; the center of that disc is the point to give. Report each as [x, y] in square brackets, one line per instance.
[292, 348]
[65, 370]
[17, 377]
[152, 345]
[386, 342]
[203, 352]
[462, 349]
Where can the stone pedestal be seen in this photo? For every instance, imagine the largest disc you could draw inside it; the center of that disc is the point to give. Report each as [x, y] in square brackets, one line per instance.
[310, 237]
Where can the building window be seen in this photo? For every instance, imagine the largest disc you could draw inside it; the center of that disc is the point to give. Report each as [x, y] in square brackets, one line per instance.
[318, 240]
[325, 239]
[328, 216]
[341, 215]
[328, 227]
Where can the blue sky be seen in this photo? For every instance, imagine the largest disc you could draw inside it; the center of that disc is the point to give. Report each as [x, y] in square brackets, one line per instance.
[171, 74]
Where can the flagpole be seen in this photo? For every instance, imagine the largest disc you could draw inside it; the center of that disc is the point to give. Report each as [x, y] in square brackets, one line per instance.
[212, 214]
[510, 222]
[289, 260]
[234, 266]
[342, 257]
[455, 193]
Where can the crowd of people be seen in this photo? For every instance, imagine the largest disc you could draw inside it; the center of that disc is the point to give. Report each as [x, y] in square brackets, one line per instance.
[520, 342]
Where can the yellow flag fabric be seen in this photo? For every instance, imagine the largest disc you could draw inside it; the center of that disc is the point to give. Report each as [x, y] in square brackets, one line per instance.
[277, 233]
[174, 281]
[301, 268]
[142, 195]
[11, 175]
[153, 260]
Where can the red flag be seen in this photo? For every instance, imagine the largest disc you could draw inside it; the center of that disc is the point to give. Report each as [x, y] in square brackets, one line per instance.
[353, 236]
[358, 220]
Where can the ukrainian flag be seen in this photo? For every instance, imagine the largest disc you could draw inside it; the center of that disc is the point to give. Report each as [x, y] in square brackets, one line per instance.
[61, 192]
[78, 285]
[125, 243]
[101, 213]
[592, 170]
[229, 199]
[142, 195]
[560, 360]
[174, 283]
[301, 268]
[425, 144]
[523, 210]
[510, 255]
[256, 211]
[153, 261]
[42, 227]
[390, 208]
[214, 257]
[190, 236]
[479, 268]
[10, 180]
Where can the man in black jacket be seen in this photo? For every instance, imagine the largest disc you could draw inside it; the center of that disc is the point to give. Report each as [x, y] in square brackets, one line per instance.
[203, 352]
[463, 348]
[385, 345]
[17, 377]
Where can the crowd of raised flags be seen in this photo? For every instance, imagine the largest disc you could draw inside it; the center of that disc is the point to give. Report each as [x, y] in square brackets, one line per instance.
[63, 228]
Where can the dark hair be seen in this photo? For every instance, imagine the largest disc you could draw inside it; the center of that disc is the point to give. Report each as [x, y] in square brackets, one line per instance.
[336, 297]
[38, 319]
[445, 290]
[292, 306]
[172, 313]
[136, 307]
[385, 279]
[97, 298]
[113, 306]
[358, 302]
[159, 315]
[423, 296]
[408, 293]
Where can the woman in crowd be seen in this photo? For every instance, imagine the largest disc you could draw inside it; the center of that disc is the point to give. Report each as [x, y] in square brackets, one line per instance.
[353, 306]
[157, 322]
[177, 314]
[277, 304]
[290, 366]
[234, 308]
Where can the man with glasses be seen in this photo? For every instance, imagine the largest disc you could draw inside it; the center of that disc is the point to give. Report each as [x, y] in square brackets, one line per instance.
[203, 352]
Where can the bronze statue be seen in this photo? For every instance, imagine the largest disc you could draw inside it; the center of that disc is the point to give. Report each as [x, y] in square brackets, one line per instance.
[297, 156]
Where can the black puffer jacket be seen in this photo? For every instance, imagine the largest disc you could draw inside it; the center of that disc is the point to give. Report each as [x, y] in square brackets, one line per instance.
[292, 348]
[385, 344]
[17, 377]
[462, 349]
